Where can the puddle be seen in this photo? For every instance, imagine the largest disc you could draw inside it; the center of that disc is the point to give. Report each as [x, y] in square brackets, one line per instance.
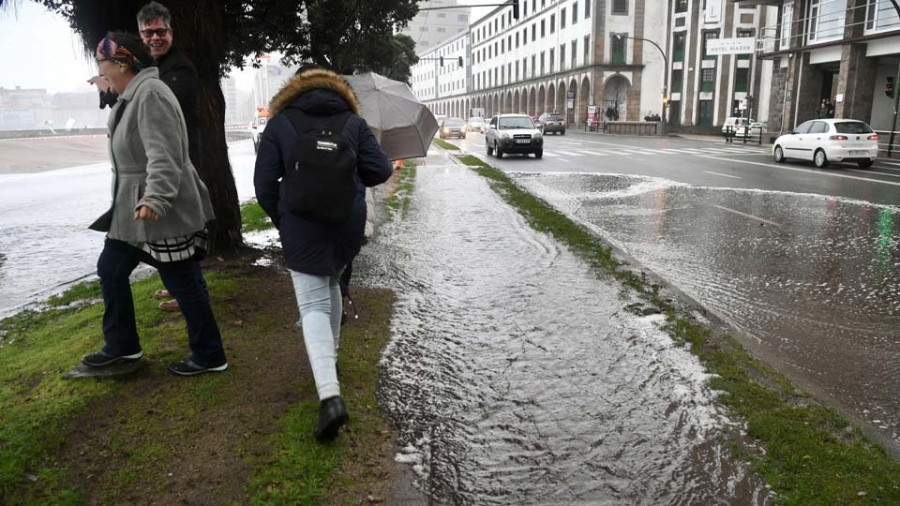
[515, 376]
[814, 281]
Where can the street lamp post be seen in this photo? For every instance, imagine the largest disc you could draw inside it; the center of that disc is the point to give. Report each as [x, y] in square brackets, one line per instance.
[665, 97]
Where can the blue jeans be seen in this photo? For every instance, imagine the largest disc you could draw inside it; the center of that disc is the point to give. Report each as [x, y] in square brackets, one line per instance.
[319, 301]
[184, 280]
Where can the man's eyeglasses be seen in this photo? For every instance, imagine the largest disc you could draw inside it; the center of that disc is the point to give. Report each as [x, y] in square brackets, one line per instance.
[159, 32]
[99, 60]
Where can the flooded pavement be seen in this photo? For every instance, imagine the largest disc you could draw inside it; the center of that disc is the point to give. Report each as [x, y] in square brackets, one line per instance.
[813, 282]
[45, 244]
[516, 376]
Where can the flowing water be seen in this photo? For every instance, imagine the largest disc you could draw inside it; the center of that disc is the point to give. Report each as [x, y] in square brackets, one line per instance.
[516, 376]
[813, 282]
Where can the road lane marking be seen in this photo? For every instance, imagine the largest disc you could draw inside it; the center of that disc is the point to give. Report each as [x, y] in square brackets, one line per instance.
[570, 153]
[723, 175]
[797, 169]
[892, 163]
[551, 155]
[745, 215]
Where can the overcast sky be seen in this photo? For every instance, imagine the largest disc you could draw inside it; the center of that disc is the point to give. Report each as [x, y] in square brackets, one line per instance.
[39, 50]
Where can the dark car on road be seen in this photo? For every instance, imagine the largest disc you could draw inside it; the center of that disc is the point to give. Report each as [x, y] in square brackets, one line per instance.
[551, 122]
[453, 127]
[513, 133]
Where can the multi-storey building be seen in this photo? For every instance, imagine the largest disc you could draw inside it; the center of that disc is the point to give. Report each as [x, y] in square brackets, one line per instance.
[705, 87]
[430, 28]
[843, 51]
[440, 81]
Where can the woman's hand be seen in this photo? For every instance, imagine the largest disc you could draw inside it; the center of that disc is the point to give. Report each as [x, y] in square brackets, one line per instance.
[145, 213]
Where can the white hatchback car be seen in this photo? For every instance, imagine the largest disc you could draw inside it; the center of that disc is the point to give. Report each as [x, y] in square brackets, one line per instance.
[829, 140]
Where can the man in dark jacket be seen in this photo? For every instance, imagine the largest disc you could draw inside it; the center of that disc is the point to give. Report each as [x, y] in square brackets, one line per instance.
[316, 252]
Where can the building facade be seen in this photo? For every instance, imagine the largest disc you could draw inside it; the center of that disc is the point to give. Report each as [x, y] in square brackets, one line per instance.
[431, 29]
[842, 51]
[630, 58]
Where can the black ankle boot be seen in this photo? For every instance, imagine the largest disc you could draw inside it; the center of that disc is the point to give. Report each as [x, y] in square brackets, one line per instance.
[332, 415]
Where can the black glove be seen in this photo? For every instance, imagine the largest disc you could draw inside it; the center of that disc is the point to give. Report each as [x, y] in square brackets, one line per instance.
[108, 98]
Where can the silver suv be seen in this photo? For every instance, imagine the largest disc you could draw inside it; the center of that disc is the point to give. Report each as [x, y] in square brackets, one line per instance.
[513, 133]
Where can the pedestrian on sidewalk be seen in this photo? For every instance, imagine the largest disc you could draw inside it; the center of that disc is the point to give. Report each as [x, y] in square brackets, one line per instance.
[176, 70]
[159, 213]
[319, 209]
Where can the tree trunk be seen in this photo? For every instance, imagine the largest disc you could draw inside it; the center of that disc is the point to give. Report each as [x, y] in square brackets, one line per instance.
[200, 33]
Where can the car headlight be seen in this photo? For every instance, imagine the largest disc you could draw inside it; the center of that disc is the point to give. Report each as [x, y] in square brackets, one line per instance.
[537, 135]
[504, 135]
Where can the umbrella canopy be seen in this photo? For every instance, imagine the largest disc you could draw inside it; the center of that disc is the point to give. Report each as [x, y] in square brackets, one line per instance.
[403, 125]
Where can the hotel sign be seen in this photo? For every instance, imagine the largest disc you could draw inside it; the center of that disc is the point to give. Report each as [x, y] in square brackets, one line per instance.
[740, 45]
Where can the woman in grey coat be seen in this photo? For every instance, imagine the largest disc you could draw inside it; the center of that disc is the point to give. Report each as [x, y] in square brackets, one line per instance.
[159, 212]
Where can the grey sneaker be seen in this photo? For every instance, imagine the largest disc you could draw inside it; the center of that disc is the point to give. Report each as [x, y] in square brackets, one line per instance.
[103, 359]
[188, 367]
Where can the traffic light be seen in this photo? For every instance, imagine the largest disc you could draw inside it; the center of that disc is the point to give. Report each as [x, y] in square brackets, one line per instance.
[442, 61]
[515, 6]
[889, 87]
[460, 61]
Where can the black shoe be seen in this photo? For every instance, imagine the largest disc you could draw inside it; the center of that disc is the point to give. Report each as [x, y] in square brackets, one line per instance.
[103, 359]
[188, 367]
[332, 415]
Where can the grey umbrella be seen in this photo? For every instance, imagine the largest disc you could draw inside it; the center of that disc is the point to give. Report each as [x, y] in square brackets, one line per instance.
[403, 125]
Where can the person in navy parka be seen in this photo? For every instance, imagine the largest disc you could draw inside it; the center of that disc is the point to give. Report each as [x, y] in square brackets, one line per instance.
[316, 252]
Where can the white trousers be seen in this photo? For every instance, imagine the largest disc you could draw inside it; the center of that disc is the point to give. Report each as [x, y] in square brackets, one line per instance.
[319, 301]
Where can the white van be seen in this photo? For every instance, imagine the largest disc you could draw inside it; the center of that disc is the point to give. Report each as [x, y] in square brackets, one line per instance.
[740, 126]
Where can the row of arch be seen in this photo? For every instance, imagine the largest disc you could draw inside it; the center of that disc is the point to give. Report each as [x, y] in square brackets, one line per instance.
[544, 97]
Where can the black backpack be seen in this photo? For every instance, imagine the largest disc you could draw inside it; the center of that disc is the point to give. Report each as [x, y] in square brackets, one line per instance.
[320, 179]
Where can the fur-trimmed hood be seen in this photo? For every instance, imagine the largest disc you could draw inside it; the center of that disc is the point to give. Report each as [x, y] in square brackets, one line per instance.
[316, 79]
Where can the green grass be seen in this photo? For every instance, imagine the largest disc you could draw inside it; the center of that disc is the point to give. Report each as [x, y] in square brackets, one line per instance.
[446, 145]
[399, 199]
[37, 349]
[253, 218]
[812, 455]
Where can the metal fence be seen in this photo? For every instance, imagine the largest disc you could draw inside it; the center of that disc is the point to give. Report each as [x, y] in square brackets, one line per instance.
[885, 148]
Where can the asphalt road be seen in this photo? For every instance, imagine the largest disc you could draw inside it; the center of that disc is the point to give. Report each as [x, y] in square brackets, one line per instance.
[707, 163]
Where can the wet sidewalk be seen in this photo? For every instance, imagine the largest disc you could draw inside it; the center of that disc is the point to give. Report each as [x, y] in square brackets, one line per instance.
[516, 376]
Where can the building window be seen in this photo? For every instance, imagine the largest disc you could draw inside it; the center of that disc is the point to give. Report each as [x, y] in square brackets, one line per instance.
[462, 18]
[617, 43]
[562, 56]
[587, 49]
[575, 12]
[677, 77]
[708, 80]
[543, 30]
[502, 46]
[524, 68]
[826, 20]
[574, 53]
[678, 46]
[517, 70]
[553, 23]
[562, 19]
[708, 36]
[681, 5]
[787, 20]
[441, 30]
[533, 32]
[542, 63]
[587, 8]
[517, 39]
[744, 33]
[552, 67]
[620, 7]
[742, 79]
[442, 15]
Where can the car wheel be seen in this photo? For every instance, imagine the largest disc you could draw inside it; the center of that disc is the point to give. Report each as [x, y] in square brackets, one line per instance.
[463, 137]
[539, 154]
[563, 132]
[866, 164]
[820, 159]
[779, 155]
[490, 150]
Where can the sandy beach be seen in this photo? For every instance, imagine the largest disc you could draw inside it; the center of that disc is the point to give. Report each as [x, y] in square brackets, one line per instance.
[21, 156]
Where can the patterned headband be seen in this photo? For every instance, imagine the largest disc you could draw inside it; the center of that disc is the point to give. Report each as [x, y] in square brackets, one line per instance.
[110, 49]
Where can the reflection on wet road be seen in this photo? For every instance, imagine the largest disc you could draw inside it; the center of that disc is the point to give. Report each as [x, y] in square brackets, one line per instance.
[814, 281]
[516, 376]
